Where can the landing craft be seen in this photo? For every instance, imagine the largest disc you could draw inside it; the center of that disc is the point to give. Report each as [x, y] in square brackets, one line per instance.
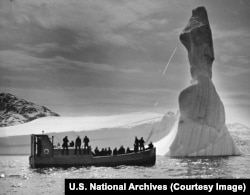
[45, 154]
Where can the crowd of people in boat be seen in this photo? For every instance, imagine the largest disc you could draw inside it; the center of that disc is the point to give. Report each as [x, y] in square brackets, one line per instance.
[138, 146]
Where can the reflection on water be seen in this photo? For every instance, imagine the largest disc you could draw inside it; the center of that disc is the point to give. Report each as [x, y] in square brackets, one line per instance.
[205, 167]
[17, 176]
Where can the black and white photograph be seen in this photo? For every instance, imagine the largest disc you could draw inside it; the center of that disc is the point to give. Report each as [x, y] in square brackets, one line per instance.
[124, 89]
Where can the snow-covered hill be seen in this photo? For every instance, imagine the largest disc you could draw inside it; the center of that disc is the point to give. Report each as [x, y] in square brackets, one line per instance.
[85, 123]
[14, 110]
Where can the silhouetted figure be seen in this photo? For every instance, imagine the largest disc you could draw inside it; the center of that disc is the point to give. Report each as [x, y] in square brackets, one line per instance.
[105, 151]
[136, 145]
[39, 146]
[86, 142]
[65, 145]
[71, 144]
[141, 142]
[150, 145]
[78, 145]
[121, 150]
[97, 152]
[109, 151]
[115, 151]
[102, 152]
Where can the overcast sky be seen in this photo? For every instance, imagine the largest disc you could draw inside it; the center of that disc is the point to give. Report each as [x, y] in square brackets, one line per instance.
[95, 57]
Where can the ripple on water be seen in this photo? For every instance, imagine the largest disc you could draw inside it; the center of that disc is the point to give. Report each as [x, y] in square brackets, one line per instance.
[51, 180]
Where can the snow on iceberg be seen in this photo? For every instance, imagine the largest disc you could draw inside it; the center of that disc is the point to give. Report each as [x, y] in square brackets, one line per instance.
[201, 129]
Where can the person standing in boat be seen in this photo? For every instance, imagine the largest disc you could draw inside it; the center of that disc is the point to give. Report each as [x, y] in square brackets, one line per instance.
[86, 142]
[141, 142]
[78, 145]
[65, 145]
[136, 144]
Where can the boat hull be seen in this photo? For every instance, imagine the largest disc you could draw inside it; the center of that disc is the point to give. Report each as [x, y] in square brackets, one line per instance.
[143, 158]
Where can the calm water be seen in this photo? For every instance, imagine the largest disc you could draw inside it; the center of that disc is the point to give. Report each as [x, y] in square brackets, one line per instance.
[18, 178]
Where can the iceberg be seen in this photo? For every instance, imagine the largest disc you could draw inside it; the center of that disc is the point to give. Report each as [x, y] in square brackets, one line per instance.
[201, 129]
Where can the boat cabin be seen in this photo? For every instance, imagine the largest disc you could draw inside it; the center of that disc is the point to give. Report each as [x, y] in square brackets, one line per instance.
[42, 145]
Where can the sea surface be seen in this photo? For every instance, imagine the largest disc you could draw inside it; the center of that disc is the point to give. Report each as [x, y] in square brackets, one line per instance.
[16, 177]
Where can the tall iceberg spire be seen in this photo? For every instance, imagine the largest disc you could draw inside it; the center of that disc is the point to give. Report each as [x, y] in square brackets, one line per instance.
[201, 129]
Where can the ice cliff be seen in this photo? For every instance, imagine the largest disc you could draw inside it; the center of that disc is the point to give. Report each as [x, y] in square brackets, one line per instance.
[201, 129]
